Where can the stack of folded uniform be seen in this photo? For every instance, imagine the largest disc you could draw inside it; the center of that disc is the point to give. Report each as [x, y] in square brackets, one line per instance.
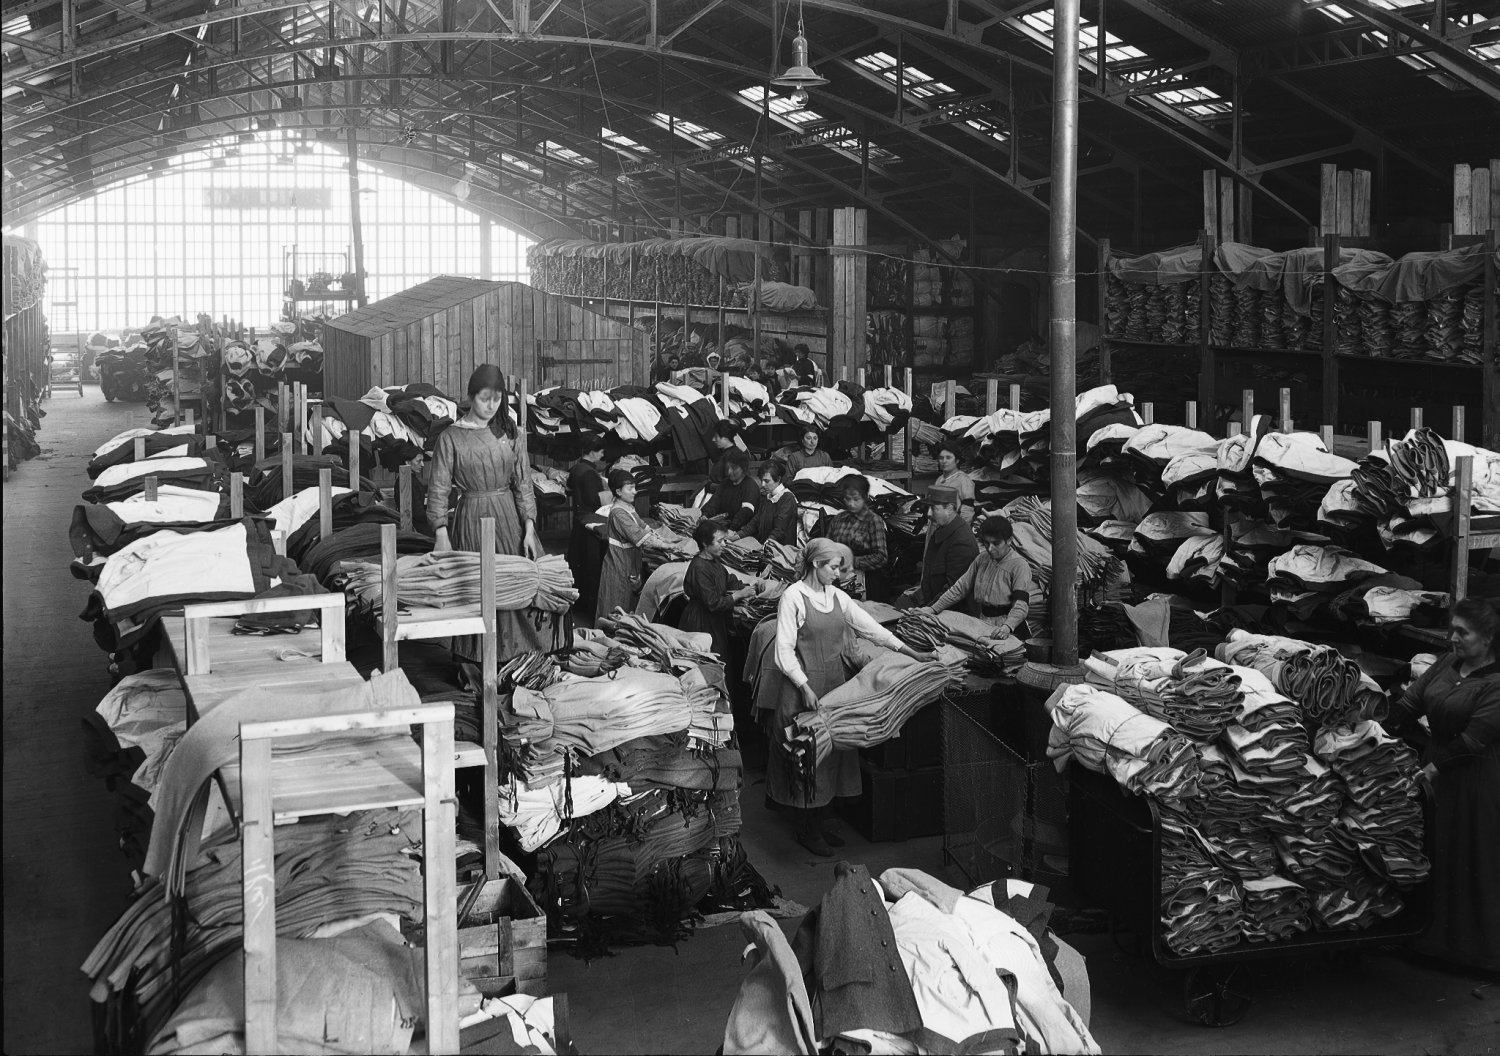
[1359, 904]
[679, 519]
[1408, 321]
[1382, 819]
[869, 709]
[1221, 310]
[972, 637]
[179, 441]
[1109, 735]
[1201, 902]
[1309, 576]
[351, 549]
[129, 478]
[1266, 746]
[1472, 324]
[1348, 323]
[1274, 909]
[1329, 688]
[1294, 472]
[1443, 337]
[1249, 550]
[1197, 696]
[1175, 297]
[1159, 536]
[1246, 332]
[394, 424]
[451, 580]
[1375, 329]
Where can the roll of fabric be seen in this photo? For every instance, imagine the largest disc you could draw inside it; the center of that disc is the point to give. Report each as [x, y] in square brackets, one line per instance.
[451, 580]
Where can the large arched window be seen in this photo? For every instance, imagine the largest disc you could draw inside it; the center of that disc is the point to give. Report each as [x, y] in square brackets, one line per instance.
[214, 232]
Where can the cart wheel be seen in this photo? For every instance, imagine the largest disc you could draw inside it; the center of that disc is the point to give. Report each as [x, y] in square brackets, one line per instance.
[1127, 940]
[1217, 996]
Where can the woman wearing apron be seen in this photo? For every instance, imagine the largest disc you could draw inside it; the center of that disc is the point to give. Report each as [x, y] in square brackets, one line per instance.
[816, 624]
[620, 580]
[483, 457]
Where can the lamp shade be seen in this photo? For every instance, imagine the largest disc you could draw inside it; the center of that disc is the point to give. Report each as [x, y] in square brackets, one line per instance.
[799, 74]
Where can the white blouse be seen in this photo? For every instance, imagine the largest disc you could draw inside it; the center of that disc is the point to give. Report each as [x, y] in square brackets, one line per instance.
[791, 613]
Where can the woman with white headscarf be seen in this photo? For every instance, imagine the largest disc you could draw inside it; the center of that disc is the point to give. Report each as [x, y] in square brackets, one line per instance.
[816, 624]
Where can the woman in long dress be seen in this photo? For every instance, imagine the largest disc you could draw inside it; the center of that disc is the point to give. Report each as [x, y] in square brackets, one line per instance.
[620, 580]
[1460, 696]
[816, 624]
[710, 598]
[483, 457]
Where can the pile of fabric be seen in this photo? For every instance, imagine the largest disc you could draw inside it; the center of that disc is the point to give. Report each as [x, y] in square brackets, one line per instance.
[451, 581]
[1382, 819]
[972, 637]
[1190, 692]
[976, 972]
[1331, 689]
[394, 424]
[1105, 733]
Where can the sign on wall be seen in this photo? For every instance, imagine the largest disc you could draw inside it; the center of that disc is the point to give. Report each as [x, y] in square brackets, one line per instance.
[268, 197]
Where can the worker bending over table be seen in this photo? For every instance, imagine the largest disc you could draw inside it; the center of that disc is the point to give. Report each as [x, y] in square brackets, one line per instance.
[996, 588]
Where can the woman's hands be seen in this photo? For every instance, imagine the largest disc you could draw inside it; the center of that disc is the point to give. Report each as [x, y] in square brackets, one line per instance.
[1001, 632]
[809, 698]
[924, 610]
[917, 654]
[442, 544]
[532, 545]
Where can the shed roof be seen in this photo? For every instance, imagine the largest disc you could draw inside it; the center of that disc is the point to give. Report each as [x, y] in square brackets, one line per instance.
[411, 305]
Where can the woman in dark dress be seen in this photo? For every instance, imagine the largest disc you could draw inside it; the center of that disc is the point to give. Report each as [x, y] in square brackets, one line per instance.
[1460, 696]
[585, 489]
[710, 599]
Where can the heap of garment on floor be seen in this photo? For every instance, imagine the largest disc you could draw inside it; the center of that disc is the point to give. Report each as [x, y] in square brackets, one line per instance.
[975, 972]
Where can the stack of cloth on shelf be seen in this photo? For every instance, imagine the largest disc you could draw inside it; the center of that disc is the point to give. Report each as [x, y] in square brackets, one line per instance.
[330, 871]
[1195, 695]
[331, 560]
[102, 528]
[1382, 820]
[1293, 472]
[129, 478]
[869, 709]
[394, 424]
[1107, 734]
[1310, 575]
[162, 571]
[663, 645]
[451, 580]
[264, 484]
[178, 441]
[536, 815]
[1330, 689]
[1031, 518]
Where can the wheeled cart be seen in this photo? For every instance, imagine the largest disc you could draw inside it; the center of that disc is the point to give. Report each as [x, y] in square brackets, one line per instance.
[1116, 865]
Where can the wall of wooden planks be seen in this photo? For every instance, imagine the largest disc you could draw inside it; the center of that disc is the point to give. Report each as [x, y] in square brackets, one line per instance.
[526, 333]
[847, 311]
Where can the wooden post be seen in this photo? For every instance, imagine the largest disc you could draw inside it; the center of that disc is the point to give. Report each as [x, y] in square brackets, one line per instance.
[316, 445]
[1247, 411]
[1190, 414]
[724, 385]
[404, 495]
[354, 449]
[1372, 430]
[890, 438]
[176, 377]
[1327, 433]
[1462, 211]
[909, 432]
[236, 495]
[1015, 397]
[950, 399]
[190, 422]
[260, 434]
[991, 396]
[283, 407]
[1286, 410]
[1148, 413]
[140, 449]
[389, 601]
[258, 879]
[1463, 507]
[1416, 417]
[1458, 422]
[490, 720]
[1346, 202]
[325, 504]
[1330, 401]
[286, 466]
[150, 484]
[1106, 367]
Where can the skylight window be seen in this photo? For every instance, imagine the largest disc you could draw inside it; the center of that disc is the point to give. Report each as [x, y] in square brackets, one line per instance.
[568, 154]
[989, 128]
[781, 106]
[1115, 49]
[688, 130]
[916, 83]
[623, 143]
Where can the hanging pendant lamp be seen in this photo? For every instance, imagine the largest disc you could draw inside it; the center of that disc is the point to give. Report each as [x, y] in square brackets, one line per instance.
[800, 75]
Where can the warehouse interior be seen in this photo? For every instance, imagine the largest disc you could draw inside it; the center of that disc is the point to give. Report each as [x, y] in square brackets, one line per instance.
[1186, 309]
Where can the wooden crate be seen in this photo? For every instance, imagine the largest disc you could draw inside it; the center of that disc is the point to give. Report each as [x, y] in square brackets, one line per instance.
[502, 943]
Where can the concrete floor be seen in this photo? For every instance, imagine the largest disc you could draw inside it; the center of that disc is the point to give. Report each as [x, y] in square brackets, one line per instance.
[65, 880]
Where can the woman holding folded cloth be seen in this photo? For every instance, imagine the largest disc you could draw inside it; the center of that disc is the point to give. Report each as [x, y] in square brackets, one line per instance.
[816, 624]
[625, 531]
[710, 597]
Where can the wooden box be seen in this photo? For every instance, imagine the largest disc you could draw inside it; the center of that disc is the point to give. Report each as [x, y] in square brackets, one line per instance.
[502, 942]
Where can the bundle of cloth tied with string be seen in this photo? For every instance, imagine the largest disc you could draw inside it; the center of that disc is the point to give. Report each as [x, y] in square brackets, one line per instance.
[1330, 688]
[869, 709]
[451, 581]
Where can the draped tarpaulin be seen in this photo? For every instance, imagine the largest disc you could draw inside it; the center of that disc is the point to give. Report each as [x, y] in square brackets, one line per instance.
[733, 258]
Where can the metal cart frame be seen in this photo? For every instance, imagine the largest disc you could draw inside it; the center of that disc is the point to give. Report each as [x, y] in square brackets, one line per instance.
[1116, 857]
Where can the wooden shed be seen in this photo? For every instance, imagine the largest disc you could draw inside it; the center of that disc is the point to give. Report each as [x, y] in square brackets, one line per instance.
[440, 330]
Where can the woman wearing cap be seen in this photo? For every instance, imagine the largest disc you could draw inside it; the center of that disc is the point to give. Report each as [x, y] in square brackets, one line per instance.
[710, 598]
[808, 455]
[620, 578]
[483, 457]
[950, 476]
[950, 549]
[861, 529]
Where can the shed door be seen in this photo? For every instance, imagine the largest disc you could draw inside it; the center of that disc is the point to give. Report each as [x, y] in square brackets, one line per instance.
[587, 363]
